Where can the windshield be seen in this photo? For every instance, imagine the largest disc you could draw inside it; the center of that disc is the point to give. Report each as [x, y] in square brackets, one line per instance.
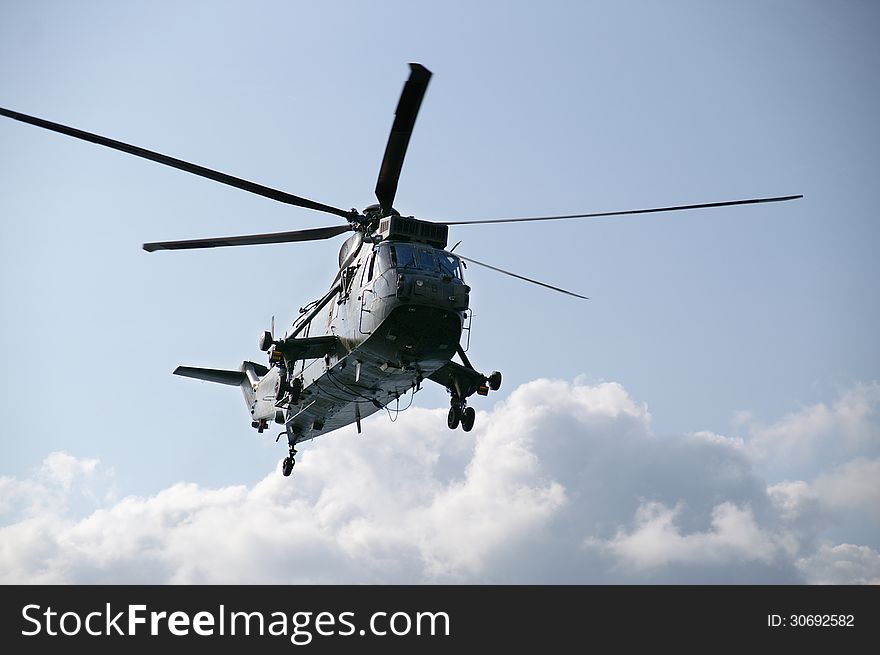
[407, 255]
[449, 265]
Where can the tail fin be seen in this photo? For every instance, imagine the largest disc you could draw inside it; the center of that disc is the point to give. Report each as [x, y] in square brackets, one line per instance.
[258, 384]
[232, 378]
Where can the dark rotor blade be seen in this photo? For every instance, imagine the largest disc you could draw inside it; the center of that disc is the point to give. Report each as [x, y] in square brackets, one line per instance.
[217, 176]
[520, 277]
[316, 234]
[727, 203]
[401, 130]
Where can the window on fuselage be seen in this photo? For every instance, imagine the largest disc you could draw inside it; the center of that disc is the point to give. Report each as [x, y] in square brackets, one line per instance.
[405, 255]
[370, 267]
[449, 265]
[383, 259]
[423, 258]
[427, 261]
[366, 267]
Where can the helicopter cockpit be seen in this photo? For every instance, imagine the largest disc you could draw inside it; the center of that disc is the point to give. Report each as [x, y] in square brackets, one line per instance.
[414, 271]
[424, 259]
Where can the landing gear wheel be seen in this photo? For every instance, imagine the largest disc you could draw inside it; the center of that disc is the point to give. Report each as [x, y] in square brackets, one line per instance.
[495, 380]
[468, 418]
[454, 417]
[287, 466]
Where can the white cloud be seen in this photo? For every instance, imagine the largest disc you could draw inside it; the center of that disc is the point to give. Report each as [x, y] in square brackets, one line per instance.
[560, 482]
[61, 481]
[854, 485]
[657, 541]
[805, 442]
[64, 469]
[712, 437]
[842, 564]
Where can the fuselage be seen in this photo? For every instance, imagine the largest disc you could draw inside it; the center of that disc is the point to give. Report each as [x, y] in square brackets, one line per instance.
[398, 317]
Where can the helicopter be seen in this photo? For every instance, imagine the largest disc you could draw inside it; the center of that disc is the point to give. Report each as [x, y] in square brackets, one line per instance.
[395, 314]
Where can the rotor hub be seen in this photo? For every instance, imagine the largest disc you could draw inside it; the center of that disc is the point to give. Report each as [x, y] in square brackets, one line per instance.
[375, 211]
[373, 214]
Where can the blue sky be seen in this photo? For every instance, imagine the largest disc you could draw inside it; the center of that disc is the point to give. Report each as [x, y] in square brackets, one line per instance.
[733, 322]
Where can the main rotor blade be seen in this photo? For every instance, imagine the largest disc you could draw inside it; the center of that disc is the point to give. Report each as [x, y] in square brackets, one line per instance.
[520, 277]
[217, 176]
[401, 130]
[316, 234]
[727, 203]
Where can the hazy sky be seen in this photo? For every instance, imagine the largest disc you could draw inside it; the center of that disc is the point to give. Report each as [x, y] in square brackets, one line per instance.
[711, 414]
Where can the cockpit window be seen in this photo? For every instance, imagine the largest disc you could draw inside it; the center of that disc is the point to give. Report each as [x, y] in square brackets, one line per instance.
[449, 265]
[383, 259]
[408, 255]
[370, 266]
[427, 261]
[405, 256]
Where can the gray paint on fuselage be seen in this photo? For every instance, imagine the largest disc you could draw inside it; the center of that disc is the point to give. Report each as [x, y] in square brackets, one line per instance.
[399, 331]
